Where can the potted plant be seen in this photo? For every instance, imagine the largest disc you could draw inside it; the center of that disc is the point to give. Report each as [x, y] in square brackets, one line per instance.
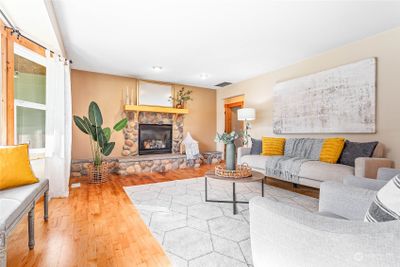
[99, 139]
[230, 154]
[181, 98]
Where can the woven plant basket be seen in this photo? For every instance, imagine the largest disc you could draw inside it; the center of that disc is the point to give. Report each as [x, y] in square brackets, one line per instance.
[98, 174]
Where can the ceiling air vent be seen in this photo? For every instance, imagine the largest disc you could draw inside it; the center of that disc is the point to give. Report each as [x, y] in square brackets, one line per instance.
[223, 84]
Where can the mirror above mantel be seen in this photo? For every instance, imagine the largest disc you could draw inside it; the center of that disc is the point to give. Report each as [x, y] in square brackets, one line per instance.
[154, 94]
[152, 97]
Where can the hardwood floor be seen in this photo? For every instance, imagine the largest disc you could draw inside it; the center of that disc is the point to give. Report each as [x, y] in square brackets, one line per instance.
[98, 226]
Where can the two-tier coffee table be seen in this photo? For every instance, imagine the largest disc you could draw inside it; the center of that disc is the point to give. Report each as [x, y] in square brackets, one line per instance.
[256, 176]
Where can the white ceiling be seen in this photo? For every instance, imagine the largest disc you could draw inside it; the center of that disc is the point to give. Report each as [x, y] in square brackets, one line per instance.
[228, 40]
[31, 17]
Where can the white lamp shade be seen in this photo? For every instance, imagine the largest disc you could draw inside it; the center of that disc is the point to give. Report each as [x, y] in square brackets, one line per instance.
[246, 114]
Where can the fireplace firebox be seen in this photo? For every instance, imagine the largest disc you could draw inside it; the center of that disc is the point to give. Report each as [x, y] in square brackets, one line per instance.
[155, 139]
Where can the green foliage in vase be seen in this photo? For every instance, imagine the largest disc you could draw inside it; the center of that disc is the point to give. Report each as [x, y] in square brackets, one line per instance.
[227, 138]
[231, 137]
[99, 137]
[182, 96]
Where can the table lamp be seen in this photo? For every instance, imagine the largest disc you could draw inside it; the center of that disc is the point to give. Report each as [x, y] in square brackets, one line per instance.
[246, 115]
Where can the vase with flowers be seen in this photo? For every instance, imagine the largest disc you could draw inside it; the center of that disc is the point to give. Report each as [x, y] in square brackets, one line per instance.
[182, 96]
[230, 152]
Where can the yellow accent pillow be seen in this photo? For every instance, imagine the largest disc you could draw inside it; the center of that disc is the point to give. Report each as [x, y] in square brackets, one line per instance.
[273, 146]
[331, 150]
[15, 167]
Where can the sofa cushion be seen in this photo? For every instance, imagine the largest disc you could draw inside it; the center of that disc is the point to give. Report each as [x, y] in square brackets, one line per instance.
[379, 151]
[256, 146]
[273, 146]
[386, 205]
[331, 150]
[15, 200]
[255, 161]
[322, 171]
[353, 150]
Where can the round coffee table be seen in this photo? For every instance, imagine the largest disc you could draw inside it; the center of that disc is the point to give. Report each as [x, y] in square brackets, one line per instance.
[256, 176]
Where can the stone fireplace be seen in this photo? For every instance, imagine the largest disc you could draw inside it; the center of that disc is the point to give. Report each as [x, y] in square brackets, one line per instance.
[167, 145]
[141, 119]
[152, 144]
[155, 139]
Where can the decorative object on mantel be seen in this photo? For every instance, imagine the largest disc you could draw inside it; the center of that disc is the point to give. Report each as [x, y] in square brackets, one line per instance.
[246, 115]
[191, 147]
[129, 96]
[230, 153]
[99, 141]
[241, 171]
[127, 100]
[338, 100]
[182, 96]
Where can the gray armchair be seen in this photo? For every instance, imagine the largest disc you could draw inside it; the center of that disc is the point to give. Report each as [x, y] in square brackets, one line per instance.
[283, 235]
[383, 176]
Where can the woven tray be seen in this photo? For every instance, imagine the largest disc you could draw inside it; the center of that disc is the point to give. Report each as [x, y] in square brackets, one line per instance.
[241, 171]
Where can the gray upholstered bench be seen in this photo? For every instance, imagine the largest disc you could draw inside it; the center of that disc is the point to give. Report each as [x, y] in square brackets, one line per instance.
[14, 204]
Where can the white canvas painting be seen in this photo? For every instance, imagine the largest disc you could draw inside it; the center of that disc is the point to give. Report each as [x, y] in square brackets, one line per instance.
[338, 100]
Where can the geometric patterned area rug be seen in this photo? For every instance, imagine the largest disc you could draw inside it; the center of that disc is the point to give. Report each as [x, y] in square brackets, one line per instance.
[198, 233]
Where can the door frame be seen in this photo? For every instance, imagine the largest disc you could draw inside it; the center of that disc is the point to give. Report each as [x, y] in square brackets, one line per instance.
[228, 112]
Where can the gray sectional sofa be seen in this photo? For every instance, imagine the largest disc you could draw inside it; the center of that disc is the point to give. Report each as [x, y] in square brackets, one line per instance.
[313, 172]
[15, 203]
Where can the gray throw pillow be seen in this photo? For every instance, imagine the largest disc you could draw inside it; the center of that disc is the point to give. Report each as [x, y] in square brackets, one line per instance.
[256, 146]
[353, 150]
[386, 205]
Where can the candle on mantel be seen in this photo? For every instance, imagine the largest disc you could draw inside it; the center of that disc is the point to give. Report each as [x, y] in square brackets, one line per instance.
[127, 102]
[132, 96]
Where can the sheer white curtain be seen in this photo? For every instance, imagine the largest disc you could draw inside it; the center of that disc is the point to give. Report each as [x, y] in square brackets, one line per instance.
[58, 125]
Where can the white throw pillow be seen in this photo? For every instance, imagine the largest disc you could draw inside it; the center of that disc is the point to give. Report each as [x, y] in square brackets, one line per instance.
[386, 205]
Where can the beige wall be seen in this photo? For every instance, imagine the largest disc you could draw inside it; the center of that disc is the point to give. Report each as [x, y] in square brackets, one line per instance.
[108, 92]
[385, 47]
[202, 120]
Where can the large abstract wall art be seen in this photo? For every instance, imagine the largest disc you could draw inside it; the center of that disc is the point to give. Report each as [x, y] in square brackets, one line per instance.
[338, 100]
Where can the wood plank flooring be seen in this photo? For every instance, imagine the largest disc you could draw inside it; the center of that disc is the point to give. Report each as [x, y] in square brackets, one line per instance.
[98, 226]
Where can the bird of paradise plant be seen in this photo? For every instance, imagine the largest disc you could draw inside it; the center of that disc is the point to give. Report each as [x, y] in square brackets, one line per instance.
[99, 137]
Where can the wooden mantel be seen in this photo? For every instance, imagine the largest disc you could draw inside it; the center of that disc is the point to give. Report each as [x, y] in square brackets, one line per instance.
[156, 109]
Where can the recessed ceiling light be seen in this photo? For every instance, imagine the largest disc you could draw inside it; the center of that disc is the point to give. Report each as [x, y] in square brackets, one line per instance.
[157, 68]
[204, 76]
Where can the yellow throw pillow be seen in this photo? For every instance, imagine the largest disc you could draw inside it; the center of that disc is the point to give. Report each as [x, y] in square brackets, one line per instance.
[15, 167]
[273, 146]
[331, 150]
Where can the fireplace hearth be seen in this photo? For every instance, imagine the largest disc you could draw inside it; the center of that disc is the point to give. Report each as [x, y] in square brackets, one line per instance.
[155, 139]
